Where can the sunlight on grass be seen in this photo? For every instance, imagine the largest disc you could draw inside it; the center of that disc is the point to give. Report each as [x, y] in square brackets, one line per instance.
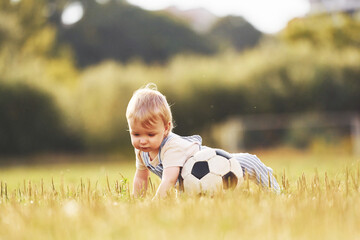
[319, 200]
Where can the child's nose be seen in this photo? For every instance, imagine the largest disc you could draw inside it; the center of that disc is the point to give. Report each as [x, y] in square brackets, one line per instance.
[142, 140]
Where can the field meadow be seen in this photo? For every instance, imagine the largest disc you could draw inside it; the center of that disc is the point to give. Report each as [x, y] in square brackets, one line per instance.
[90, 199]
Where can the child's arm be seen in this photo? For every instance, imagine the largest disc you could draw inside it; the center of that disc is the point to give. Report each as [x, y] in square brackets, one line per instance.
[140, 182]
[168, 180]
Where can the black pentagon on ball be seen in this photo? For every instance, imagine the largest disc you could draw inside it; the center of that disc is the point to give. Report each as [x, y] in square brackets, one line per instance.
[200, 169]
[229, 180]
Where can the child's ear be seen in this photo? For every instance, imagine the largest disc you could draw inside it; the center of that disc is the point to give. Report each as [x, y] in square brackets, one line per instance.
[168, 126]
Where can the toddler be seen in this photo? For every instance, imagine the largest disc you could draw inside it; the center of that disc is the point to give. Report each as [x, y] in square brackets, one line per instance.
[163, 152]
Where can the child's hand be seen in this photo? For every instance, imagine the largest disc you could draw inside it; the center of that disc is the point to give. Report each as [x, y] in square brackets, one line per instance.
[169, 178]
[140, 182]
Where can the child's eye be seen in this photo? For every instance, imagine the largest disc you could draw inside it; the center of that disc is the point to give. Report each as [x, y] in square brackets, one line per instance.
[152, 134]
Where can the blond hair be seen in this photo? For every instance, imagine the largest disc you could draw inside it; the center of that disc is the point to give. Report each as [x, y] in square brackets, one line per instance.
[148, 105]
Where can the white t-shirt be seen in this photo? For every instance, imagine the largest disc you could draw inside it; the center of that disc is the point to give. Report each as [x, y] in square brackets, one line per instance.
[174, 153]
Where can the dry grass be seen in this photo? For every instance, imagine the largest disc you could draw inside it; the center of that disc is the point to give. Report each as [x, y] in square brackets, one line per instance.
[93, 201]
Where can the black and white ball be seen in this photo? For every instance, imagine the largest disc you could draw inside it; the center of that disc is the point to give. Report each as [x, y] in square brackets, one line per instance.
[209, 171]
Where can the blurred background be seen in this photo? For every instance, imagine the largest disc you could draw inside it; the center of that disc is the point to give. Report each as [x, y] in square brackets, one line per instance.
[245, 75]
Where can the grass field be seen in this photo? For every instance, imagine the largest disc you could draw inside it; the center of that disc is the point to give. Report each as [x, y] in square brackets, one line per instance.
[90, 200]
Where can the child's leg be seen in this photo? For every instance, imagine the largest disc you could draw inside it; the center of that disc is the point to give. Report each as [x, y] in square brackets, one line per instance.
[257, 170]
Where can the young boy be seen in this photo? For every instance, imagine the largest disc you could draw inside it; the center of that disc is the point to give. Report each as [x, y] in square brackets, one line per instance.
[162, 152]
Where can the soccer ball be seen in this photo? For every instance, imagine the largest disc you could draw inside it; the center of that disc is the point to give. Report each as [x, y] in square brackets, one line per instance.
[210, 170]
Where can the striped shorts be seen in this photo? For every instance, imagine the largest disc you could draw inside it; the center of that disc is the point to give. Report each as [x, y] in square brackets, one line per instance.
[257, 170]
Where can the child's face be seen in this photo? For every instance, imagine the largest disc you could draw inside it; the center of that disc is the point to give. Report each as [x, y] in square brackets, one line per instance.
[148, 139]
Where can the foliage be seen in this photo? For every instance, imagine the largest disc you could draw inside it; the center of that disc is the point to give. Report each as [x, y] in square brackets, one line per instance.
[337, 30]
[29, 51]
[30, 122]
[118, 31]
[305, 68]
[37, 76]
[272, 79]
[235, 32]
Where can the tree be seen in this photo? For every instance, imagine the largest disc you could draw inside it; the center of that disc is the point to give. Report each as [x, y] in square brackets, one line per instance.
[235, 32]
[27, 38]
[338, 30]
[119, 31]
[33, 70]
[30, 122]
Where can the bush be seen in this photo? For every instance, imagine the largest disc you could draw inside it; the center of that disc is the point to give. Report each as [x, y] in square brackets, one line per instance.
[31, 122]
